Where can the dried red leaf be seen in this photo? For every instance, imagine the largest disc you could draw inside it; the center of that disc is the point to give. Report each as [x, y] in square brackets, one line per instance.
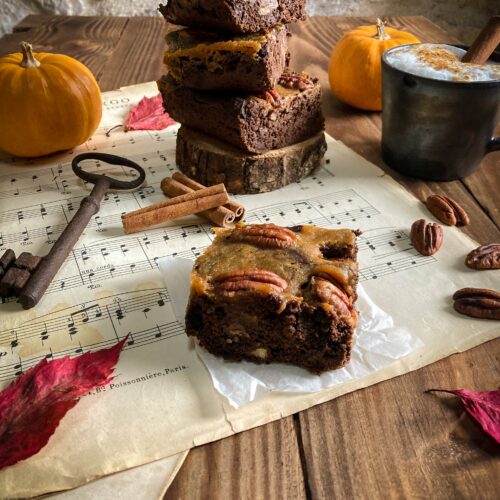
[484, 407]
[148, 114]
[32, 406]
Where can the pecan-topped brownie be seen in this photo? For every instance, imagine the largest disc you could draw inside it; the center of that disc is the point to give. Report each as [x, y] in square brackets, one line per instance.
[209, 61]
[234, 16]
[256, 123]
[266, 293]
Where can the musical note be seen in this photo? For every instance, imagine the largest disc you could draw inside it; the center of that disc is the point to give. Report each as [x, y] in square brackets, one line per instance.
[44, 335]
[15, 342]
[18, 368]
[72, 329]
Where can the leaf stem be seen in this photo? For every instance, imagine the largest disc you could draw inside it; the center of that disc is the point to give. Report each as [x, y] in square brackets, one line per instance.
[108, 133]
[439, 390]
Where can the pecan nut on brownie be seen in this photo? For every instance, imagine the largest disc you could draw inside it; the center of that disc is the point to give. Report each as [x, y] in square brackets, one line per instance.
[255, 123]
[208, 61]
[265, 293]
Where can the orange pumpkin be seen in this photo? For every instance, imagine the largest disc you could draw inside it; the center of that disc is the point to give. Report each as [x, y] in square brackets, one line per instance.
[48, 103]
[355, 69]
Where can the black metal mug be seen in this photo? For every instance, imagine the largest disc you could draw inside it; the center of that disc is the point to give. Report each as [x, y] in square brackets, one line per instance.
[434, 129]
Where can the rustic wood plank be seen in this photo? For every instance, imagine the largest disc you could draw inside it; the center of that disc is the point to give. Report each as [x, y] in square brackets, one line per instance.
[91, 40]
[137, 57]
[259, 463]
[393, 441]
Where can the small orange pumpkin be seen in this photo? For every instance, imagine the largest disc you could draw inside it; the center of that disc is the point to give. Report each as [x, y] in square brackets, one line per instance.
[48, 103]
[355, 69]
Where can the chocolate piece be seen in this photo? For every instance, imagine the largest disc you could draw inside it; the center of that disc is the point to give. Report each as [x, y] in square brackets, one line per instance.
[206, 61]
[21, 278]
[7, 259]
[27, 261]
[234, 16]
[13, 280]
[211, 161]
[252, 123]
[265, 293]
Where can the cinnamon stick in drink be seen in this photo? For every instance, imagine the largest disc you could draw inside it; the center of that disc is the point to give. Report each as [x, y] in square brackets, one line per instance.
[237, 208]
[221, 216]
[180, 206]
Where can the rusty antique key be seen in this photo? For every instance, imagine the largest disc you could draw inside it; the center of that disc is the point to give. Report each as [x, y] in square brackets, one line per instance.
[39, 281]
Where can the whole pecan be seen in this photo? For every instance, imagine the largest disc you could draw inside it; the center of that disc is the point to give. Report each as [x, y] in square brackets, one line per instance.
[477, 302]
[248, 279]
[427, 237]
[295, 81]
[448, 211]
[265, 235]
[484, 257]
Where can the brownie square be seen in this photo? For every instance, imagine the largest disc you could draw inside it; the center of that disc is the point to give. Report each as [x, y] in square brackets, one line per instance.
[255, 123]
[249, 63]
[234, 16]
[265, 293]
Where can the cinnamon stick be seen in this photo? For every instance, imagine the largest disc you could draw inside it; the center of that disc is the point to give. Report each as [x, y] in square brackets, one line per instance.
[221, 216]
[485, 43]
[180, 206]
[237, 208]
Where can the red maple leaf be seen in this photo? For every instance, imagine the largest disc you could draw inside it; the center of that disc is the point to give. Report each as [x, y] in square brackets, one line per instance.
[148, 114]
[483, 407]
[32, 406]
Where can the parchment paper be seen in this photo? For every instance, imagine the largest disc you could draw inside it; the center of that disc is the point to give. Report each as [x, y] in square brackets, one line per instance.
[378, 342]
[146, 482]
[163, 401]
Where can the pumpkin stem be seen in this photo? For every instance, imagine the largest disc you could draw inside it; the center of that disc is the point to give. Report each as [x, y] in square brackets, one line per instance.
[381, 34]
[29, 60]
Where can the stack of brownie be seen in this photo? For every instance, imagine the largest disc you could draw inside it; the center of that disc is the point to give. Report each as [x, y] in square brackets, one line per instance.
[247, 120]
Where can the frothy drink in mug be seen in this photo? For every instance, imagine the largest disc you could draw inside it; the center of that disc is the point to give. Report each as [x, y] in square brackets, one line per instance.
[440, 62]
[438, 114]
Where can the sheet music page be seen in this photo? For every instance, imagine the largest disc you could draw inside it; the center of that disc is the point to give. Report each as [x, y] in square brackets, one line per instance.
[162, 401]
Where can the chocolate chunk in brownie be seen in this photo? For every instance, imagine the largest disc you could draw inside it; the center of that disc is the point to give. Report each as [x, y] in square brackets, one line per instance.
[249, 63]
[234, 16]
[285, 115]
[266, 293]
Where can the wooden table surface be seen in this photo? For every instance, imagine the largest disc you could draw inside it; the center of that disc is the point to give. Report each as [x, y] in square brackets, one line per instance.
[387, 441]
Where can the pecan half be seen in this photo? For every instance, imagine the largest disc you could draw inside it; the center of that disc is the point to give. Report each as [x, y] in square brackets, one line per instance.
[248, 279]
[272, 97]
[484, 257]
[427, 237]
[328, 292]
[477, 302]
[265, 235]
[448, 211]
[295, 81]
